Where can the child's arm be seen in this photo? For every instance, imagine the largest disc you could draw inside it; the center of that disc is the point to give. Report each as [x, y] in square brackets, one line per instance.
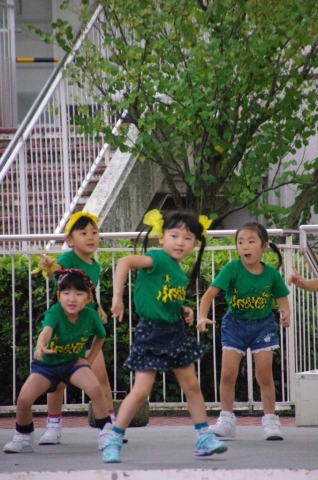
[123, 266]
[311, 285]
[205, 306]
[43, 338]
[95, 348]
[283, 308]
[102, 314]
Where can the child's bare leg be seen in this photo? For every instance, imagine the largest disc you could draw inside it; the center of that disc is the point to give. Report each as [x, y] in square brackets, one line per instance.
[35, 386]
[230, 364]
[188, 381]
[55, 401]
[99, 368]
[86, 380]
[131, 404]
[264, 376]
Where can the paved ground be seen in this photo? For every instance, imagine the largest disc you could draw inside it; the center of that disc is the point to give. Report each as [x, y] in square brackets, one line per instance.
[164, 445]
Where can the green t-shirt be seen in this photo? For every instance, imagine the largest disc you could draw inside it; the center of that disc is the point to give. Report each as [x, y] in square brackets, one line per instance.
[68, 339]
[71, 260]
[160, 291]
[249, 296]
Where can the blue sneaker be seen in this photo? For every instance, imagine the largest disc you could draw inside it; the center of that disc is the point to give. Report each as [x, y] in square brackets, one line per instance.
[207, 444]
[112, 448]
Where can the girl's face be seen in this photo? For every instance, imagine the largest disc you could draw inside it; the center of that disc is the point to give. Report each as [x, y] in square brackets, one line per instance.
[73, 301]
[85, 241]
[249, 247]
[178, 242]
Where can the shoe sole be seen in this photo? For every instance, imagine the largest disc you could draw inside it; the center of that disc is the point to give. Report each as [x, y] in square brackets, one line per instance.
[49, 443]
[206, 453]
[112, 460]
[221, 435]
[274, 437]
[25, 450]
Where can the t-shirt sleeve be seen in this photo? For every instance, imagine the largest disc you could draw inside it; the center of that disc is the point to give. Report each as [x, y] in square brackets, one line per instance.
[65, 261]
[279, 289]
[51, 319]
[222, 280]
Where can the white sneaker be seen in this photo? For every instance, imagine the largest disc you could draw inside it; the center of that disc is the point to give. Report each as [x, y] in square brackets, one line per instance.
[225, 426]
[103, 435]
[21, 443]
[113, 418]
[271, 427]
[53, 432]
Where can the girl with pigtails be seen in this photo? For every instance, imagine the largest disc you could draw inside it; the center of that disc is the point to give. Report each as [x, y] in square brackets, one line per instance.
[161, 342]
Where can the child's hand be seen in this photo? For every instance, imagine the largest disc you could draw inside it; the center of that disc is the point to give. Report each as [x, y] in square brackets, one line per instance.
[118, 308]
[47, 266]
[102, 314]
[187, 314]
[201, 325]
[46, 262]
[41, 351]
[284, 319]
[296, 278]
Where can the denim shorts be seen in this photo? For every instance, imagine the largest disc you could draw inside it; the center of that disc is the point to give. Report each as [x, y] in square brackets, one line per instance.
[56, 373]
[258, 335]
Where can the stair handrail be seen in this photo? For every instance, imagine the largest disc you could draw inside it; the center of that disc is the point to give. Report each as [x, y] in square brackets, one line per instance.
[35, 111]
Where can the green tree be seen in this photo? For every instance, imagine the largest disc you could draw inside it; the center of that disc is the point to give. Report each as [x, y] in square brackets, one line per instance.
[220, 90]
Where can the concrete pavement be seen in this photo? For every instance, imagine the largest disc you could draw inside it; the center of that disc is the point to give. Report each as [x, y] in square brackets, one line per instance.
[166, 452]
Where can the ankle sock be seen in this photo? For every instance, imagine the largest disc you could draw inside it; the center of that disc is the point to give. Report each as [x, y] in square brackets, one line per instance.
[24, 428]
[101, 422]
[118, 431]
[198, 426]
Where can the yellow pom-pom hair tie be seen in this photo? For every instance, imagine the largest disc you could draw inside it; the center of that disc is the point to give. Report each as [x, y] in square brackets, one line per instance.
[154, 219]
[76, 216]
[205, 222]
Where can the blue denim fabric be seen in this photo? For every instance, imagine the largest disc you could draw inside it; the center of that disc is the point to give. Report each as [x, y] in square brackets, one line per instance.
[56, 373]
[257, 335]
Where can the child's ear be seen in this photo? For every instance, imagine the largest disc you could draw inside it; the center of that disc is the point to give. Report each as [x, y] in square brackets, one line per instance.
[89, 298]
[58, 295]
[161, 240]
[69, 241]
[265, 246]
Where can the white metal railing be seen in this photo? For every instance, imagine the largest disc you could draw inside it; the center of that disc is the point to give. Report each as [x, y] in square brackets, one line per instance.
[47, 166]
[298, 343]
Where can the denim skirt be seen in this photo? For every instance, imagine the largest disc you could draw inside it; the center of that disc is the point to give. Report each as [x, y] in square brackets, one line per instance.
[162, 346]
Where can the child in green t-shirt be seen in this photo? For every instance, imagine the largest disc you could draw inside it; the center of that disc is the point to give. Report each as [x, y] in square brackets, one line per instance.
[82, 236]
[59, 356]
[161, 342]
[250, 286]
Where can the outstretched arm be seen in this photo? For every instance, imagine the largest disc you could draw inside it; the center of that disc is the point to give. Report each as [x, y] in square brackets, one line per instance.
[123, 266]
[310, 285]
[43, 338]
[205, 306]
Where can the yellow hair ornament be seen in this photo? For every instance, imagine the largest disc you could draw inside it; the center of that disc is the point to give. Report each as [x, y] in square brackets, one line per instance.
[76, 216]
[205, 222]
[154, 219]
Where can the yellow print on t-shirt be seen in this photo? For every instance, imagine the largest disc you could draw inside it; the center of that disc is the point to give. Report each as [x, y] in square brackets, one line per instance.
[171, 293]
[246, 303]
[69, 348]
